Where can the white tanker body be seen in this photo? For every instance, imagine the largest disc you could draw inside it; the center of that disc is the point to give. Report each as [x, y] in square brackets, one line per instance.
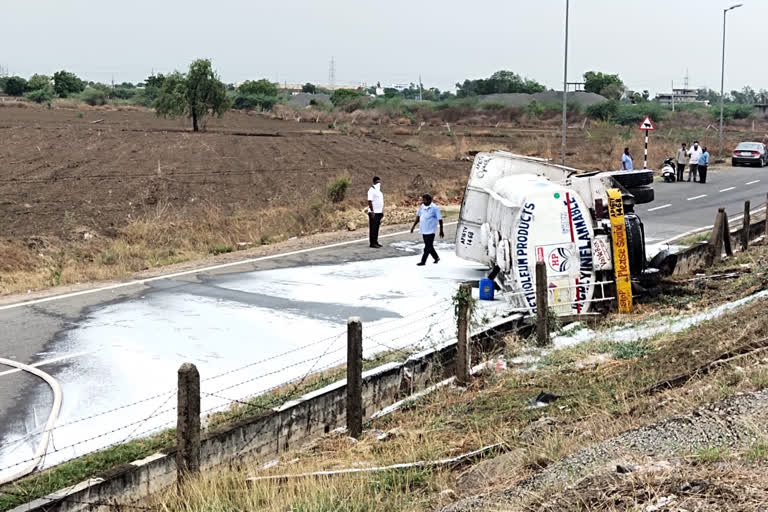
[519, 210]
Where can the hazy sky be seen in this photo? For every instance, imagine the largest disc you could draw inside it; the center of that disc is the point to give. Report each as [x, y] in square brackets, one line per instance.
[648, 42]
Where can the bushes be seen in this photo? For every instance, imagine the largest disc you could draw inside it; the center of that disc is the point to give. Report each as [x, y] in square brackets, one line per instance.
[94, 97]
[253, 101]
[626, 114]
[732, 111]
[44, 95]
[261, 87]
[604, 111]
[15, 86]
[634, 114]
[338, 189]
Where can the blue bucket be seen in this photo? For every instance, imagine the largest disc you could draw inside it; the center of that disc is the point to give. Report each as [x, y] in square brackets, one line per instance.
[486, 289]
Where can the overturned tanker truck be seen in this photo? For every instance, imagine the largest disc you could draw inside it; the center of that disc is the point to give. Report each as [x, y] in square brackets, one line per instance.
[520, 210]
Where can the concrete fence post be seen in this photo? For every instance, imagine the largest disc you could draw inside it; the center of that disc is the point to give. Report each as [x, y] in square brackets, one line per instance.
[542, 304]
[188, 422]
[716, 242]
[463, 347]
[727, 235]
[745, 228]
[354, 377]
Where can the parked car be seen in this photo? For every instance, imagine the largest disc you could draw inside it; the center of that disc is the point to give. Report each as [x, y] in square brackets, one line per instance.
[750, 153]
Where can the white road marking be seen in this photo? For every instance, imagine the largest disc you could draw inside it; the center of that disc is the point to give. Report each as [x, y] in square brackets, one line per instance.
[659, 207]
[727, 189]
[752, 182]
[704, 228]
[696, 197]
[197, 271]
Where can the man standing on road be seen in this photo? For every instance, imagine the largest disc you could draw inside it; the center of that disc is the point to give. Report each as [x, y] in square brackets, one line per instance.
[703, 164]
[682, 161]
[427, 217]
[375, 212]
[626, 161]
[694, 153]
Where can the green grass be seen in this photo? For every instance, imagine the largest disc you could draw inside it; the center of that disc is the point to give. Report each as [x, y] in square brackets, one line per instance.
[75, 471]
[221, 249]
[758, 452]
[712, 454]
[695, 238]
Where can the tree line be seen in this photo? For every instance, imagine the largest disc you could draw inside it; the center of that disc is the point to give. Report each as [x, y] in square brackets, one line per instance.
[200, 93]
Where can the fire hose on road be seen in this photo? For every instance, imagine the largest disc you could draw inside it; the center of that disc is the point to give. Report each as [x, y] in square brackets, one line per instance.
[42, 447]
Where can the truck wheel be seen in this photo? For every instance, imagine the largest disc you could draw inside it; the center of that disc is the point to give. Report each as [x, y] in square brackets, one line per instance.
[631, 179]
[635, 244]
[642, 194]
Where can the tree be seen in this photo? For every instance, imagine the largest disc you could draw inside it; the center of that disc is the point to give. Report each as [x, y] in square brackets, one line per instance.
[261, 87]
[341, 97]
[38, 82]
[44, 95]
[66, 83]
[15, 86]
[501, 82]
[309, 88]
[196, 94]
[607, 85]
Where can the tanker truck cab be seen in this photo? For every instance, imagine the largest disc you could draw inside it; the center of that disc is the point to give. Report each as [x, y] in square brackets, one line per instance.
[518, 211]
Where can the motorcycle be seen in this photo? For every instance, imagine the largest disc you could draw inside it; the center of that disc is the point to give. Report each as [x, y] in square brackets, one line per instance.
[668, 170]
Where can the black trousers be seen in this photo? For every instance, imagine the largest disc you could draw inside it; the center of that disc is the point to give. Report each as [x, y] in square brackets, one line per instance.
[680, 171]
[702, 173]
[429, 248]
[693, 171]
[374, 221]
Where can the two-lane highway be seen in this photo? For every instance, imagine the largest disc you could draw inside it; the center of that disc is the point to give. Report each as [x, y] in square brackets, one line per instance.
[683, 207]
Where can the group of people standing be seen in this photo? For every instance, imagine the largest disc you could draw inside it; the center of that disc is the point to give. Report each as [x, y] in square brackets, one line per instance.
[696, 159]
[428, 218]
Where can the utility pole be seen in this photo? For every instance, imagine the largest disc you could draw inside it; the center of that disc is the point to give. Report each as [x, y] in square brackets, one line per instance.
[565, 88]
[673, 95]
[332, 73]
[421, 88]
[722, 78]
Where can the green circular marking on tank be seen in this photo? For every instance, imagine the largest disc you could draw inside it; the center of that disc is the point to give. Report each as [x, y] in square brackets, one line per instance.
[557, 195]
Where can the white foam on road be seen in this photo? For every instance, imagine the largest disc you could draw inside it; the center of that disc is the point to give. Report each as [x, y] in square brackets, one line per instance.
[128, 350]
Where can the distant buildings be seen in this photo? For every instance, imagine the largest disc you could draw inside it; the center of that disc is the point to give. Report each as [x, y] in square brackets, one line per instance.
[679, 96]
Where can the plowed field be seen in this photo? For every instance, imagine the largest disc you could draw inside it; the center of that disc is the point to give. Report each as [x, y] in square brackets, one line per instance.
[65, 170]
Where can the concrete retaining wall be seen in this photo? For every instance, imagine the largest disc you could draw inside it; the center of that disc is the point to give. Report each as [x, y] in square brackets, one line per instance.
[696, 256]
[265, 437]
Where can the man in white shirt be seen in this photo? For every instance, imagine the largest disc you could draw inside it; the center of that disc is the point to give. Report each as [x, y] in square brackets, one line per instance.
[375, 212]
[694, 153]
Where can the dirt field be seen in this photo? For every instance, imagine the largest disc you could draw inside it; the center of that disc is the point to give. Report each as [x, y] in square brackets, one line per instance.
[63, 173]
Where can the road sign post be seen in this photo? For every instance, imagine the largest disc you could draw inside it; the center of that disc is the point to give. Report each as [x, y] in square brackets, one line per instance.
[647, 126]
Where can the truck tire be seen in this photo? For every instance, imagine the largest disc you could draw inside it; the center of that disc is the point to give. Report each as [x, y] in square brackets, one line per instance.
[632, 179]
[635, 244]
[642, 194]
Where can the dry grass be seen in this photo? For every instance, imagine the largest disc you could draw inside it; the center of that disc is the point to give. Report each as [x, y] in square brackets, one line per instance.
[599, 400]
[168, 236]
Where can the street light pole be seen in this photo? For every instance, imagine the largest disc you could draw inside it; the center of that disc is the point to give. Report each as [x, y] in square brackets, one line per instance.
[565, 88]
[722, 77]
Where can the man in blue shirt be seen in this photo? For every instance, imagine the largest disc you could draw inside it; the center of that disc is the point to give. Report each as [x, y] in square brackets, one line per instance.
[427, 217]
[626, 161]
[703, 163]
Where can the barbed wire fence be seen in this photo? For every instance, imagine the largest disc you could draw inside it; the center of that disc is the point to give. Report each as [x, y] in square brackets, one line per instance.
[236, 394]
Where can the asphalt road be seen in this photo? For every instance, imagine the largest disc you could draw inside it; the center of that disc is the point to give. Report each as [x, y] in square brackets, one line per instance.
[682, 207]
[98, 343]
